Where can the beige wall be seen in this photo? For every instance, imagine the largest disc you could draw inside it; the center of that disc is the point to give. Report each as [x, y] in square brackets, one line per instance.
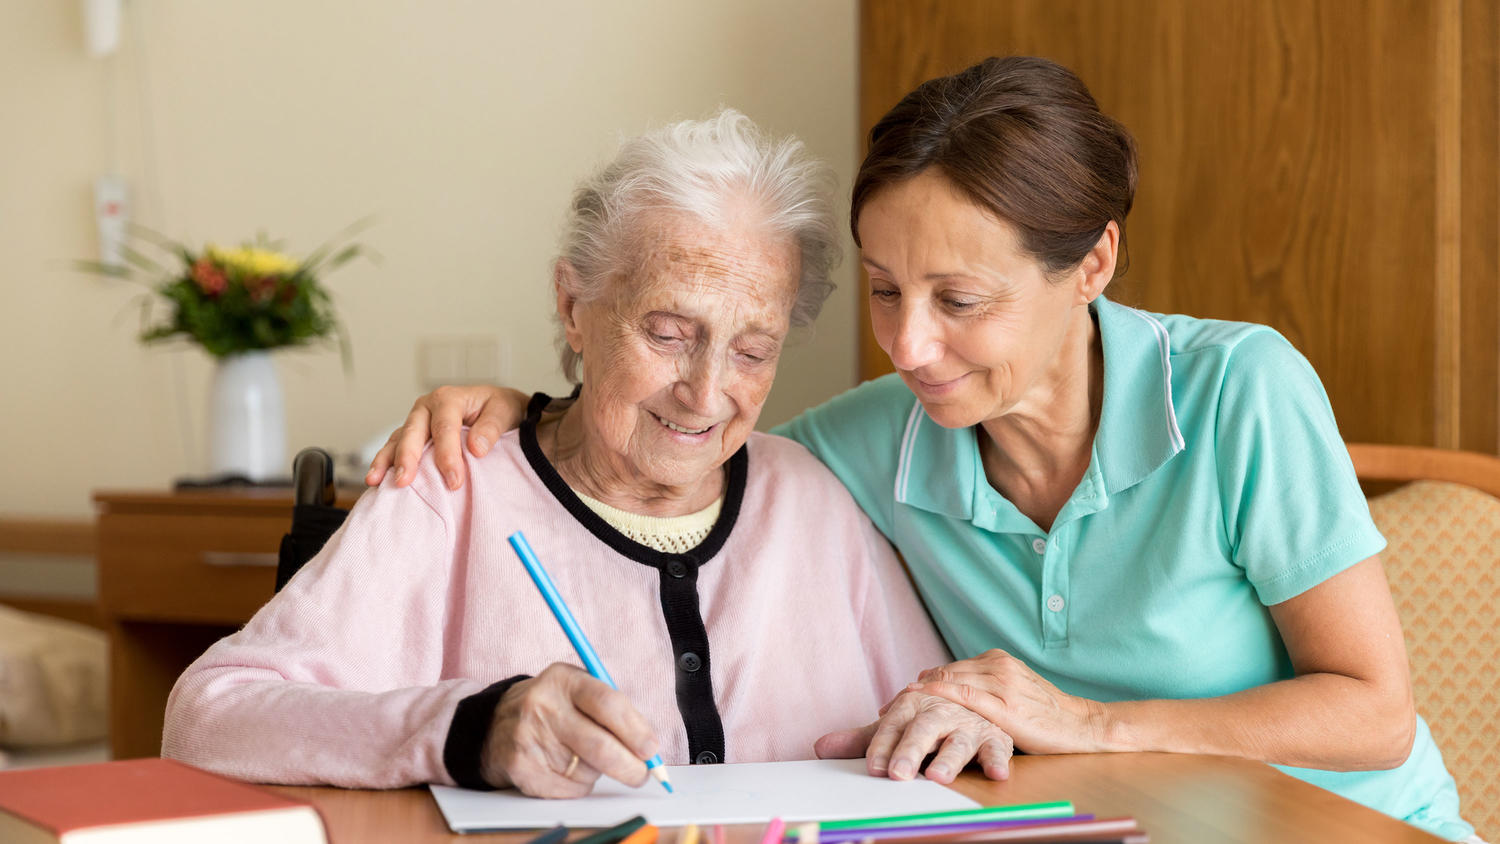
[462, 125]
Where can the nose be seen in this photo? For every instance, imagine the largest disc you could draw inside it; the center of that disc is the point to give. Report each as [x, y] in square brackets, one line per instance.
[700, 385]
[916, 341]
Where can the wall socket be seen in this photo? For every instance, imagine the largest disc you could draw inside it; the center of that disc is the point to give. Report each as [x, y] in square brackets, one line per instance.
[462, 359]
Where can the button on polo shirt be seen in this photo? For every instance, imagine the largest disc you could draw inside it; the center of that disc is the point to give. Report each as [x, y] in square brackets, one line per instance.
[1217, 485]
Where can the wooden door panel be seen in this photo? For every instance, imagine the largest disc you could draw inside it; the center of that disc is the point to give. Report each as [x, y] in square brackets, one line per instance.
[1298, 163]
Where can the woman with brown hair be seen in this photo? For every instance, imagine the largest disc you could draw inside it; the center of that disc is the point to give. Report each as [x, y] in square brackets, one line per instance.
[1136, 531]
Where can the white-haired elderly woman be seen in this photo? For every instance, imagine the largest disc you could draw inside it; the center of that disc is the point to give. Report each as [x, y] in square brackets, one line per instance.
[740, 598]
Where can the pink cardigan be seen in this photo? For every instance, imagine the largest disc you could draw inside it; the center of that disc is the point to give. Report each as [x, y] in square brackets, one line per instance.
[351, 675]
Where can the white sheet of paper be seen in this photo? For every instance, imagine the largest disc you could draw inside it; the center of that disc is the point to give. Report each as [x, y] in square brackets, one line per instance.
[708, 794]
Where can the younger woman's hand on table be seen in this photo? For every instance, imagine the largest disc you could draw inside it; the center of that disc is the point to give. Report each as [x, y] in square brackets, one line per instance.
[439, 416]
[542, 723]
[914, 725]
[1004, 691]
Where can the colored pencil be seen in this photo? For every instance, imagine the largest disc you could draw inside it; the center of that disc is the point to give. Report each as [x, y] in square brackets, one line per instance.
[689, 834]
[575, 635]
[773, 831]
[1065, 831]
[614, 833]
[1024, 810]
[719, 836]
[928, 830]
[555, 835]
[645, 835]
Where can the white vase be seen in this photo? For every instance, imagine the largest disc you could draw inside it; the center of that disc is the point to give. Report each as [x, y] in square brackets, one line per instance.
[247, 418]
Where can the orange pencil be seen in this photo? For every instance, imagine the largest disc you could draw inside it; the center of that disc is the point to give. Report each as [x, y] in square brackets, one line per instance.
[645, 835]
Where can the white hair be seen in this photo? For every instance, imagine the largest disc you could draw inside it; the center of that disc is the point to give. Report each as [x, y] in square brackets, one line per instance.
[701, 168]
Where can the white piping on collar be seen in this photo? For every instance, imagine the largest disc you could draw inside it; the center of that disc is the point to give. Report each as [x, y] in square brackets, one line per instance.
[1163, 343]
[908, 444]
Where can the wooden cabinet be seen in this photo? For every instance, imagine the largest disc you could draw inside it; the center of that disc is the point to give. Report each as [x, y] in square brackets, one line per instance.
[177, 572]
[1329, 168]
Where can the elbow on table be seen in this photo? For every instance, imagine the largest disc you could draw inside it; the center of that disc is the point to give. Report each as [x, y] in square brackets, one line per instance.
[1402, 737]
[1391, 738]
[189, 726]
[177, 727]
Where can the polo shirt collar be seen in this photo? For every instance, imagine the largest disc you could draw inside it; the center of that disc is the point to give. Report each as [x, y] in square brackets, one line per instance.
[1138, 430]
[939, 469]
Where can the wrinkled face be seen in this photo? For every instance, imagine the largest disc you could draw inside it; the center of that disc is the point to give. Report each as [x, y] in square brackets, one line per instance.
[971, 322]
[679, 355]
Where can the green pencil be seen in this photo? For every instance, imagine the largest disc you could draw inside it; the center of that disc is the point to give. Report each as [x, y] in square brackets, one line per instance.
[614, 833]
[1059, 809]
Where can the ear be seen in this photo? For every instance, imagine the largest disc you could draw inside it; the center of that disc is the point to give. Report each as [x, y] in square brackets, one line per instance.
[565, 283]
[1098, 267]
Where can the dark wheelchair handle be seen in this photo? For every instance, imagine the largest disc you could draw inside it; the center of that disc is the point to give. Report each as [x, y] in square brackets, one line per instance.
[312, 477]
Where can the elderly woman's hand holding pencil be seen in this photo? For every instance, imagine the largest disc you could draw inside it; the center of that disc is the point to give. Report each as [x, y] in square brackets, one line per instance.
[554, 734]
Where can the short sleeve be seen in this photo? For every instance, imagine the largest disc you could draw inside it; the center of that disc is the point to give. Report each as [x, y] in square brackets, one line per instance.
[1293, 510]
[857, 435]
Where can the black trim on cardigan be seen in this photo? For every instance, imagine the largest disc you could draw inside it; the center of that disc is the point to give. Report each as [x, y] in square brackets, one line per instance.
[469, 732]
[678, 578]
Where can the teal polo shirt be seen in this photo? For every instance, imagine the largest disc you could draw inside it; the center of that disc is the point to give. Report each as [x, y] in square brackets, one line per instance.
[1218, 485]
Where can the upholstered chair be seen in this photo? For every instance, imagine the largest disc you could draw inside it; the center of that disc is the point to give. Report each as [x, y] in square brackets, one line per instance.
[1443, 561]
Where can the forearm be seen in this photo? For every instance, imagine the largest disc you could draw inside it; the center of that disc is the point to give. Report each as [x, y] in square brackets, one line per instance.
[1328, 721]
[252, 724]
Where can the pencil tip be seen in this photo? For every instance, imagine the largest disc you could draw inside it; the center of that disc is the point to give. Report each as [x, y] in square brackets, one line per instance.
[660, 773]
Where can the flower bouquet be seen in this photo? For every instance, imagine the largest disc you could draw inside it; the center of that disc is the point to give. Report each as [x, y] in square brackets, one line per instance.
[235, 300]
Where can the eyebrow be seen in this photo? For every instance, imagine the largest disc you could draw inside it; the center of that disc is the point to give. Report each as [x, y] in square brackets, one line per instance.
[928, 276]
[754, 327]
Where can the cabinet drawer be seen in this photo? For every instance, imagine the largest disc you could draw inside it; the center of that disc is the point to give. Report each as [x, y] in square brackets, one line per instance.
[204, 567]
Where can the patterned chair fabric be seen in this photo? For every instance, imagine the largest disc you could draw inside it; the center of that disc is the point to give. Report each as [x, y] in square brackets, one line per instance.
[1443, 562]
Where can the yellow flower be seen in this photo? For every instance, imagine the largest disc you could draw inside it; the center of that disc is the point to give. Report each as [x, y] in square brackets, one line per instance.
[252, 262]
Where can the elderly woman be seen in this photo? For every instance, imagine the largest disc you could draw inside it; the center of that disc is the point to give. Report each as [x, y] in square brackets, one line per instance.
[1138, 532]
[713, 567]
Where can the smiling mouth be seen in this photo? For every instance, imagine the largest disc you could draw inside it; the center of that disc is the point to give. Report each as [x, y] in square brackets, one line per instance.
[935, 385]
[681, 430]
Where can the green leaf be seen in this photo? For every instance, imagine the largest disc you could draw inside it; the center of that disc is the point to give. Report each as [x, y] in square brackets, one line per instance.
[346, 352]
[140, 261]
[343, 255]
[100, 268]
[315, 259]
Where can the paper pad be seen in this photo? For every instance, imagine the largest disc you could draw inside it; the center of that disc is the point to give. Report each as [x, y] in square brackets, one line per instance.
[709, 794]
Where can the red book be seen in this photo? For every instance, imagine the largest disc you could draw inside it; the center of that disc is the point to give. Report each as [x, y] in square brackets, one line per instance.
[146, 800]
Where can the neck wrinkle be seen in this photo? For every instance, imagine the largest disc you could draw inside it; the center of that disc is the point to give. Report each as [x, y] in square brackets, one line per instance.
[606, 477]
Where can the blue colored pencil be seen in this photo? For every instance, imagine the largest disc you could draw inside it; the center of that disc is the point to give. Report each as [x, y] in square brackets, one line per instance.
[575, 634]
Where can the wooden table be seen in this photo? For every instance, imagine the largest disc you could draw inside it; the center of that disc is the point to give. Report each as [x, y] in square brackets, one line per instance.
[1177, 800]
[177, 572]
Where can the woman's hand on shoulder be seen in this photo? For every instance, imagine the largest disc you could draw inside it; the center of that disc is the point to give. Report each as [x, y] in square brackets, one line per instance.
[1006, 692]
[914, 725]
[439, 416]
[542, 723]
